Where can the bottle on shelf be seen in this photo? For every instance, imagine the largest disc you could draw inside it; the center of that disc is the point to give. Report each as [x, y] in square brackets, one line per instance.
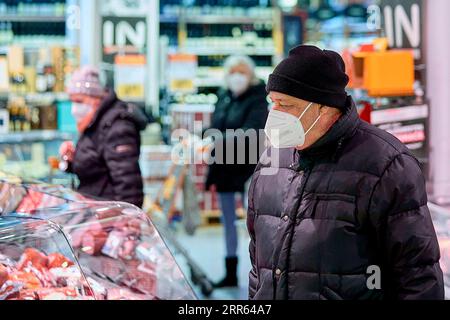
[41, 79]
[18, 83]
[50, 78]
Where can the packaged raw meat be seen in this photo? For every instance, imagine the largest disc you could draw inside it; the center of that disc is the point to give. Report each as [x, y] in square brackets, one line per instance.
[105, 213]
[141, 276]
[102, 266]
[93, 242]
[3, 275]
[32, 257]
[98, 289]
[65, 277]
[30, 202]
[10, 290]
[57, 294]
[125, 294]
[57, 260]
[127, 249]
[113, 244]
[27, 279]
[444, 244]
[27, 295]
[78, 233]
[134, 226]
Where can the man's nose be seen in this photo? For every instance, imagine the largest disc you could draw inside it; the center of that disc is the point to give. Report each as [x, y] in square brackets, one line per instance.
[276, 106]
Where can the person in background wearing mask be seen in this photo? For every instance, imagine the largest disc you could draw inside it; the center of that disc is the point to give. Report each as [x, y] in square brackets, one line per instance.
[106, 158]
[242, 104]
[337, 207]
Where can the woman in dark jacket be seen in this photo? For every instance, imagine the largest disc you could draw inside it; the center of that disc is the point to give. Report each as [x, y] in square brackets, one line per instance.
[106, 158]
[242, 105]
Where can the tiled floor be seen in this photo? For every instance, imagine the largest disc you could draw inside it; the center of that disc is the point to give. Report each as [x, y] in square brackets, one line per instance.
[206, 247]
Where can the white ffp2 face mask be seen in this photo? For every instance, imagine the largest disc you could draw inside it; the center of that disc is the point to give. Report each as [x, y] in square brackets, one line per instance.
[285, 130]
[238, 83]
[80, 110]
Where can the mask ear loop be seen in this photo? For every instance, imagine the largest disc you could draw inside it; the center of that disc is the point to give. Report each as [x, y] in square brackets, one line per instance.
[313, 125]
[315, 122]
[306, 110]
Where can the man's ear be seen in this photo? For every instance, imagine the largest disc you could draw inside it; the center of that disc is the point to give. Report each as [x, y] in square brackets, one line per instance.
[323, 109]
[328, 110]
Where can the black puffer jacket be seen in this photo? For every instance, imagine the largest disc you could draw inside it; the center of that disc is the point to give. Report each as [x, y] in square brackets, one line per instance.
[248, 111]
[106, 158]
[320, 218]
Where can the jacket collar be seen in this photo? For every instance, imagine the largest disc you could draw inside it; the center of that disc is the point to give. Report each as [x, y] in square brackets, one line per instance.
[108, 101]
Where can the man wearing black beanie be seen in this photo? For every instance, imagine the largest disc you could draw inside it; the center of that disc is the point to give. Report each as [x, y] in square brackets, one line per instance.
[337, 207]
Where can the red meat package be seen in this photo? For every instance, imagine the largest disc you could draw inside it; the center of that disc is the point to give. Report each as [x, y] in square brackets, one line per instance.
[127, 249]
[444, 244]
[65, 277]
[27, 295]
[27, 279]
[97, 288]
[57, 294]
[34, 258]
[57, 260]
[3, 275]
[104, 266]
[113, 244]
[110, 213]
[31, 202]
[78, 233]
[134, 226]
[93, 242]
[124, 294]
[141, 276]
[10, 290]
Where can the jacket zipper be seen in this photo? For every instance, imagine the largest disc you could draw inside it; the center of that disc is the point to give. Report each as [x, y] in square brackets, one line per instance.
[306, 174]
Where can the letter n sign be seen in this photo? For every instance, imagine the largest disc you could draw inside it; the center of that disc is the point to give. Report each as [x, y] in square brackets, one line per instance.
[123, 35]
[403, 24]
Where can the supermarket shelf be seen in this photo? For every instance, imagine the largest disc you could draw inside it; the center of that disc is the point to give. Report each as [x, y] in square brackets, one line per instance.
[230, 51]
[192, 108]
[208, 70]
[208, 82]
[37, 18]
[216, 19]
[33, 44]
[213, 76]
[34, 136]
[168, 19]
[48, 96]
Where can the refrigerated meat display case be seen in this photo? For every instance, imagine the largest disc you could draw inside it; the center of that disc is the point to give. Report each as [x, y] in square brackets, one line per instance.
[38, 263]
[441, 220]
[116, 245]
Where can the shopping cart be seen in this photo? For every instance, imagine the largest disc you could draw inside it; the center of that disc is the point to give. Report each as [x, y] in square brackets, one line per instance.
[163, 212]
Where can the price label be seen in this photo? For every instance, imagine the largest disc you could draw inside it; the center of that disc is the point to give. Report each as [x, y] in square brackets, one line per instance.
[182, 72]
[182, 85]
[129, 77]
[134, 91]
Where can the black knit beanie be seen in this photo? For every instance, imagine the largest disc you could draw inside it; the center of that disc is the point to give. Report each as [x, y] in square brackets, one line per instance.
[312, 74]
